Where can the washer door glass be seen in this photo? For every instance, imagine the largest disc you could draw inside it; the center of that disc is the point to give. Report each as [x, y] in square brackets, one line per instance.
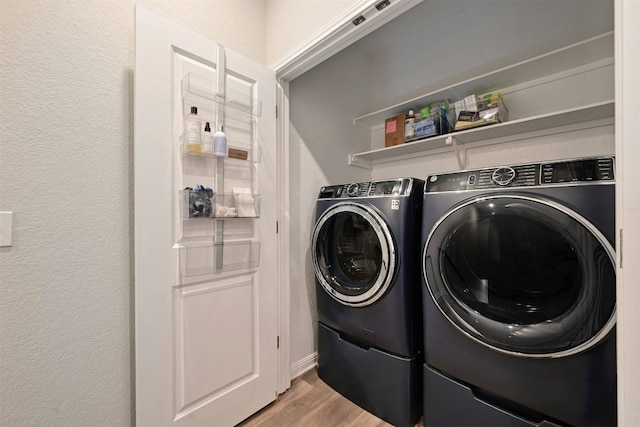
[522, 275]
[354, 256]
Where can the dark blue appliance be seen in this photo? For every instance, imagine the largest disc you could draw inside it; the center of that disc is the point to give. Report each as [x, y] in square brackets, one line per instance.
[366, 253]
[519, 295]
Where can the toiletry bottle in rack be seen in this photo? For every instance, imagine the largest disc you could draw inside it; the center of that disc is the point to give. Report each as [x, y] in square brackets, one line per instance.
[193, 127]
[207, 139]
[220, 143]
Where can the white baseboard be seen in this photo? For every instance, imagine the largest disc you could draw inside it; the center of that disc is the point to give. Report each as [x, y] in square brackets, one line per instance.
[303, 365]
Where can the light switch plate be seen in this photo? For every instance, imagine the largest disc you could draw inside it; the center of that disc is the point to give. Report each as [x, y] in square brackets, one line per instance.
[6, 228]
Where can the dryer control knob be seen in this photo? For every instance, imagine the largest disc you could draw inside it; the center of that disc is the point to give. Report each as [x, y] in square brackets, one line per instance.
[503, 176]
[352, 190]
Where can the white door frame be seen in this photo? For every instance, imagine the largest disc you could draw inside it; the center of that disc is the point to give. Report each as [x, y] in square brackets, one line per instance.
[338, 34]
[627, 135]
[282, 189]
[330, 40]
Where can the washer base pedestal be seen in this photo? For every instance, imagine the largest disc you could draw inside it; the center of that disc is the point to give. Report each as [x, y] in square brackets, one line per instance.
[386, 385]
[449, 403]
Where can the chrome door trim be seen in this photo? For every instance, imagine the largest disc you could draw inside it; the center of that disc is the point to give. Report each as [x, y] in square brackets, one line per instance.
[388, 267]
[564, 209]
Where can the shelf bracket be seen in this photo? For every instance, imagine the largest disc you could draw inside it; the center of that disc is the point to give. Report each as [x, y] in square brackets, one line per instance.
[354, 160]
[461, 152]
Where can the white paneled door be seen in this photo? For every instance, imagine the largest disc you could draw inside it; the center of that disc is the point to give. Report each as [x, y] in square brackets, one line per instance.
[206, 293]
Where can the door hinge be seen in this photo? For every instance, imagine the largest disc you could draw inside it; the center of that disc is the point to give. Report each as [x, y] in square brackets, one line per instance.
[277, 227]
[359, 20]
[278, 342]
[621, 253]
[383, 4]
[276, 111]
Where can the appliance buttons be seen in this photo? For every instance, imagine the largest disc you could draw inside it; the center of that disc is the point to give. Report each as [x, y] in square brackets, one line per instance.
[503, 176]
[352, 189]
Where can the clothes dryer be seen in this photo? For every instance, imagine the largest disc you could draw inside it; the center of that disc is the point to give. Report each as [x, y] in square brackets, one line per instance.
[365, 252]
[519, 295]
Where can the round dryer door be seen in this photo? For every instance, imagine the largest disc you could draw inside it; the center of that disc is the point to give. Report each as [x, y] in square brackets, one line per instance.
[354, 256]
[522, 275]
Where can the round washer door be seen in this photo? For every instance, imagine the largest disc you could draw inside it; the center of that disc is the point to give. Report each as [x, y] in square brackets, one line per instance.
[353, 254]
[524, 276]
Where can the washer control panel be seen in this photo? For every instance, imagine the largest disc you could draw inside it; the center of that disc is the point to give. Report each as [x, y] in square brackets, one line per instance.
[577, 171]
[536, 174]
[395, 187]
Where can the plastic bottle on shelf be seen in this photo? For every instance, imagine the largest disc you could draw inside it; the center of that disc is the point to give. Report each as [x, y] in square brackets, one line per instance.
[207, 140]
[193, 127]
[220, 143]
[409, 126]
[444, 117]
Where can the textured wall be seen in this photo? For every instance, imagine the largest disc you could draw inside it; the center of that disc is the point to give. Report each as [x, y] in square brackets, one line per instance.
[290, 23]
[66, 139]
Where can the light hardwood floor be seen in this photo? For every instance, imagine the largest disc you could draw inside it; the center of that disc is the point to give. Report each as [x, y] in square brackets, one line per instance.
[311, 403]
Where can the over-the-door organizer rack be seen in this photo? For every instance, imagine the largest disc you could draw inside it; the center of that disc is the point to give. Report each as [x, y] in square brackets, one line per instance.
[209, 196]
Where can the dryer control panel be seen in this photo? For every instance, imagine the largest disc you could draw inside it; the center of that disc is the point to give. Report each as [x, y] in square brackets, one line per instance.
[579, 171]
[395, 188]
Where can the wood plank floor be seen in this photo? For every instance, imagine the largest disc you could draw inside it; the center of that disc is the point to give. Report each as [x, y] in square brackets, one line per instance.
[311, 403]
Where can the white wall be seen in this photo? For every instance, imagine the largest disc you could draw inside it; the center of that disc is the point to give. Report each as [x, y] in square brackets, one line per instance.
[66, 146]
[320, 139]
[290, 23]
[450, 41]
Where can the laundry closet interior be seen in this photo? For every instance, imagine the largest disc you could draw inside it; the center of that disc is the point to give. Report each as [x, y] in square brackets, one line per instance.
[552, 61]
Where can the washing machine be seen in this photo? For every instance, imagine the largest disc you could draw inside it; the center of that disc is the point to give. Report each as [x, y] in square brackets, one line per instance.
[366, 257]
[519, 295]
